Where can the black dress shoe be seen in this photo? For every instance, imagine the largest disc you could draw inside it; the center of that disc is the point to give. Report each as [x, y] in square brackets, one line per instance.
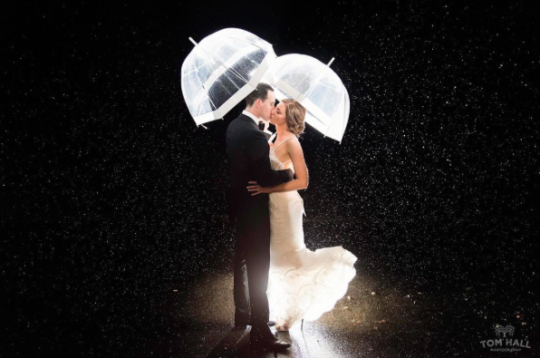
[274, 345]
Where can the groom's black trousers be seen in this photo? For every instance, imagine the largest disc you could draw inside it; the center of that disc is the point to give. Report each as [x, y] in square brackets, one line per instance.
[252, 262]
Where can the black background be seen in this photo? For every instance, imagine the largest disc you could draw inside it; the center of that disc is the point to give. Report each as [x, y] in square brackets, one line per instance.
[109, 188]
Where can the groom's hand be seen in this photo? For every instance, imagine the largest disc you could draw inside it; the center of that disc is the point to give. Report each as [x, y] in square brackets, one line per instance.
[290, 174]
[257, 189]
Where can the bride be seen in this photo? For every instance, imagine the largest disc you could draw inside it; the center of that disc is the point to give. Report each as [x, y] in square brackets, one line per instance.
[303, 284]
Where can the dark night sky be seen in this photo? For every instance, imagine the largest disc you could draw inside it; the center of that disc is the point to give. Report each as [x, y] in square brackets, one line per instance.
[109, 187]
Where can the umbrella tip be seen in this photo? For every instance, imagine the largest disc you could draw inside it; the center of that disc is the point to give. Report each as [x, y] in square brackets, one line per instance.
[332, 60]
[193, 41]
[202, 125]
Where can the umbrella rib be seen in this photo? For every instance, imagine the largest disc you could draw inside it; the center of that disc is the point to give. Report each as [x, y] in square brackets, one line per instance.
[327, 86]
[197, 68]
[209, 98]
[316, 78]
[222, 64]
[225, 73]
[251, 43]
[208, 94]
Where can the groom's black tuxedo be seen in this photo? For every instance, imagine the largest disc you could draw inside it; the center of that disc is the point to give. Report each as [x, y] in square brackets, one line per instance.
[248, 152]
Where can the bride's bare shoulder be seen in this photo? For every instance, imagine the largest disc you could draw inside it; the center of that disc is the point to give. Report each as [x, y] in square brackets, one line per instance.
[294, 144]
[296, 140]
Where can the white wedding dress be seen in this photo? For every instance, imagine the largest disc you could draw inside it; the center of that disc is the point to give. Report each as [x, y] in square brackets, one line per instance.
[303, 284]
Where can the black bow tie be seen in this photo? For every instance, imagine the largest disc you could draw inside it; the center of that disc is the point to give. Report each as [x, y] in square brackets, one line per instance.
[261, 126]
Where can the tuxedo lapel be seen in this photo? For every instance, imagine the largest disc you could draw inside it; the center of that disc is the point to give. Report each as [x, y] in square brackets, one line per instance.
[248, 120]
[251, 122]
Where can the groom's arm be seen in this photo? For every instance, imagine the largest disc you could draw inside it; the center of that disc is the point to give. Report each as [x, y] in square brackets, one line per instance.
[259, 152]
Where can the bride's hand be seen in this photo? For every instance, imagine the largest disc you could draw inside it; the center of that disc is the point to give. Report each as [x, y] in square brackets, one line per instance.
[257, 189]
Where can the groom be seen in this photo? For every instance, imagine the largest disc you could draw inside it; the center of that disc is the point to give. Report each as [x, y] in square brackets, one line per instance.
[248, 152]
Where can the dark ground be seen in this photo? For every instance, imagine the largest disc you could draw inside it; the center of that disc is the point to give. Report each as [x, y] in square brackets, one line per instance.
[112, 198]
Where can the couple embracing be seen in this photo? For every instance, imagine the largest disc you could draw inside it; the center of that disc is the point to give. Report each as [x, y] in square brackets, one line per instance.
[275, 275]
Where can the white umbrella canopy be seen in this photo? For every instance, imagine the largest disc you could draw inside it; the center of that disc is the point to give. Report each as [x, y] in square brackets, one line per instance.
[317, 87]
[221, 71]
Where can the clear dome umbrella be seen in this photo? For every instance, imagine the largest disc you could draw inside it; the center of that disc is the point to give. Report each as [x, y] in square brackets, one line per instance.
[221, 71]
[317, 87]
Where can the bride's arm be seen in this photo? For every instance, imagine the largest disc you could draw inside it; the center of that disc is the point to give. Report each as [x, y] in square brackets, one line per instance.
[294, 149]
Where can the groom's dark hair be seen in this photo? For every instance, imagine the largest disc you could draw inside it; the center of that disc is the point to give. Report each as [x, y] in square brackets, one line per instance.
[261, 92]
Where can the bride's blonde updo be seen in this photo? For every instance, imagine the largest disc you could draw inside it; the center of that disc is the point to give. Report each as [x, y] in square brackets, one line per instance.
[294, 116]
